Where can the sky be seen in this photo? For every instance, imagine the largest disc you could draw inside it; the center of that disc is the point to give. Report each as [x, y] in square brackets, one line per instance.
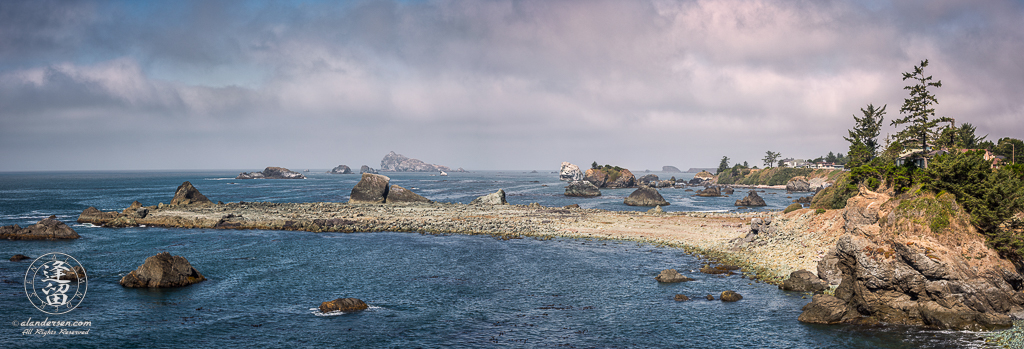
[483, 85]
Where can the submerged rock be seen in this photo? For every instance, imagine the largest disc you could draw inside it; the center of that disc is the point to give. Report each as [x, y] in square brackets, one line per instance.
[398, 194]
[163, 270]
[752, 199]
[495, 198]
[343, 305]
[271, 173]
[645, 196]
[582, 189]
[46, 229]
[341, 169]
[188, 195]
[570, 172]
[671, 276]
[371, 189]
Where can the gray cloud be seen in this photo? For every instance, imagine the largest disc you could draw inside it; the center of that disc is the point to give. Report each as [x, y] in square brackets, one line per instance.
[485, 84]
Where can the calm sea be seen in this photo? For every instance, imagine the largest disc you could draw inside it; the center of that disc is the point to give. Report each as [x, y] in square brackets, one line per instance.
[423, 291]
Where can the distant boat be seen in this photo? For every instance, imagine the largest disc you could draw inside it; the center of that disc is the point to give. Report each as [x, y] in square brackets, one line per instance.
[444, 173]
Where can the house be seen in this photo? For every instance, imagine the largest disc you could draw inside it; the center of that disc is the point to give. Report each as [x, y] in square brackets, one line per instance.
[795, 163]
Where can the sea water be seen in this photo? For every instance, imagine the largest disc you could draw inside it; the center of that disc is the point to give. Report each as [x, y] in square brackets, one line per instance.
[263, 287]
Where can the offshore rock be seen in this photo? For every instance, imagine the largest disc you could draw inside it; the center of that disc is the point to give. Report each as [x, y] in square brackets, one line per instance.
[597, 177]
[47, 229]
[670, 169]
[495, 198]
[802, 281]
[19, 258]
[398, 194]
[710, 192]
[163, 270]
[648, 180]
[400, 163]
[671, 276]
[371, 189]
[702, 178]
[625, 180]
[570, 172]
[645, 196]
[344, 305]
[341, 169]
[94, 216]
[188, 195]
[730, 296]
[798, 184]
[681, 298]
[367, 169]
[752, 199]
[582, 189]
[665, 183]
[271, 173]
[727, 191]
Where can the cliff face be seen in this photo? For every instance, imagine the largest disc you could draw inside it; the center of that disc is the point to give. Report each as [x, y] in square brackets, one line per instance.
[400, 163]
[914, 260]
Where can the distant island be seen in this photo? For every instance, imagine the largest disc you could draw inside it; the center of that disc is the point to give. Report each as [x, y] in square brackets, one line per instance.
[701, 169]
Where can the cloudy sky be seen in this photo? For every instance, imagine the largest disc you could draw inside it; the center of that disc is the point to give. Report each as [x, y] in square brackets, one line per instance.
[487, 85]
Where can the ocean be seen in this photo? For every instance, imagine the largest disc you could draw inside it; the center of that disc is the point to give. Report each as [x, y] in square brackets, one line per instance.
[424, 291]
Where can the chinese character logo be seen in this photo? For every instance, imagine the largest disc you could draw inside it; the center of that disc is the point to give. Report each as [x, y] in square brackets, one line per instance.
[55, 283]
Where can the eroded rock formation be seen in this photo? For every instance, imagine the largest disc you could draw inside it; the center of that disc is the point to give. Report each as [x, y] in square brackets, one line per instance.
[271, 173]
[570, 172]
[582, 189]
[645, 196]
[46, 229]
[163, 270]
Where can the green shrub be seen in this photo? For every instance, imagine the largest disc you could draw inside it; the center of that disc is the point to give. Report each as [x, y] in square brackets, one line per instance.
[819, 211]
[792, 208]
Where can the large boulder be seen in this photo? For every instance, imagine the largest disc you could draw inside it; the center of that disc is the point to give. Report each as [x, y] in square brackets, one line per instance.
[730, 296]
[271, 173]
[163, 270]
[798, 184]
[710, 192]
[670, 169]
[398, 194]
[671, 276]
[582, 188]
[645, 196]
[46, 229]
[802, 281]
[650, 180]
[344, 305]
[570, 172]
[371, 189]
[188, 195]
[366, 169]
[341, 169]
[597, 177]
[495, 198]
[625, 180]
[400, 163]
[752, 199]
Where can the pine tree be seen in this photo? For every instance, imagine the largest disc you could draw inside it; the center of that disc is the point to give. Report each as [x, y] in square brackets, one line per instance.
[769, 158]
[724, 165]
[921, 123]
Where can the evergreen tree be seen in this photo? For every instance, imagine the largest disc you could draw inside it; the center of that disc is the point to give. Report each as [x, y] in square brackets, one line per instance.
[919, 120]
[830, 157]
[724, 165]
[770, 158]
[864, 135]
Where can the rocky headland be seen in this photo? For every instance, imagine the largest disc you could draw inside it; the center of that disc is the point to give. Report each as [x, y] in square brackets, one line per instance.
[670, 169]
[271, 173]
[400, 163]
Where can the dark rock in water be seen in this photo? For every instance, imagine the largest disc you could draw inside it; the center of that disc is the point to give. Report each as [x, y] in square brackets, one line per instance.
[96, 217]
[648, 180]
[665, 183]
[752, 199]
[681, 298]
[671, 276]
[670, 169]
[803, 200]
[582, 188]
[371, 189]
[400, 163]
[709, 297]
[645, 196]
[598, 178]
[460, 169]
[163, 270]
[47, 229]
[367, 169]
[710, 192]
[572, 206]
[797, 184]
[570, 172]
[341, 169]
[824, 309]
[495, 198]
[802, 281]
[188, 195]
[344, 305]
[76, 273]
[19, 258]
[625, 180]
[718, 269]
[398, 194]
[727, 191]
[730, 296]
[271, 173]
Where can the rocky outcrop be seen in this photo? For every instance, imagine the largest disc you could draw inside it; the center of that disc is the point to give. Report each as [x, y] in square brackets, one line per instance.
[495, 198]
[582, 189]
[665, 183]
[648, 180]
[19, 258]
[802, 281]
[681, 298]
[371, 189]
[398, 194]
[915, 260]
[597, 177]
[645, 196]
[625, 180]
[670, 169]
[188, 195]
[271, 173]
[752, 199]
[400, 163]
[367, 169]
[710, 192]
[702, 178]
[671, 276]
[47, 229]
[344, 305]
[730, 296]
[570, 172]
[163, 270]
[341, 169]
[798, 184]
[727, 191]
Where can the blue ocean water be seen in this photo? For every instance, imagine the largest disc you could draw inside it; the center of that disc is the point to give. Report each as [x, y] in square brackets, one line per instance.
[424, 290]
